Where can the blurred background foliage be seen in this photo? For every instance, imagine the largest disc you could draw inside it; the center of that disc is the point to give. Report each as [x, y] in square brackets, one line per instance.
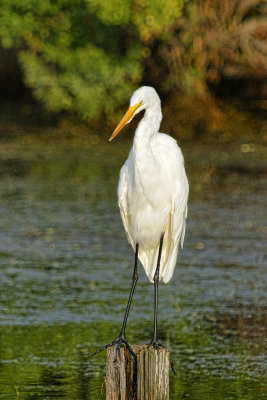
[85, 57]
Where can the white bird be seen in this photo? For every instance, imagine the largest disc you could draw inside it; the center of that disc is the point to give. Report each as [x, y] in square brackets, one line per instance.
[153, 187]
[152, 195]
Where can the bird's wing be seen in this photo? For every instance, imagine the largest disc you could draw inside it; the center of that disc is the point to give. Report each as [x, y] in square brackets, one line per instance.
[170, 155]
[175, 230]
[122, 200]
[179, 209]
[173, 158]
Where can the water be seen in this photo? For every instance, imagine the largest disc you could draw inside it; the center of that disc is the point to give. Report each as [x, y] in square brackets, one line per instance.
[66, 268]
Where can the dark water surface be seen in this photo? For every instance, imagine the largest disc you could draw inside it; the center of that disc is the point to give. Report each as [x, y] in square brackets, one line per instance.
[66, 268]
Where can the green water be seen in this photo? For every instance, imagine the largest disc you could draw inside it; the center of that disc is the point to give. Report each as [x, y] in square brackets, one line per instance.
[66, 269]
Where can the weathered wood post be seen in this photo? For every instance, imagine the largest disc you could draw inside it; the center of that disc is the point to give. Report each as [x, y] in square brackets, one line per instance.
[145, 377]
[120, 376]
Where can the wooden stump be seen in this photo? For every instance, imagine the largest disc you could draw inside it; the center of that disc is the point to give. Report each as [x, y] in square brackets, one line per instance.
[121, 375]
[143, 378]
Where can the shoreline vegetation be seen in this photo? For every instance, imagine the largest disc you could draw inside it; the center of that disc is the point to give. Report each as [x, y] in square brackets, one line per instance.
[183, 118]
[206, 58]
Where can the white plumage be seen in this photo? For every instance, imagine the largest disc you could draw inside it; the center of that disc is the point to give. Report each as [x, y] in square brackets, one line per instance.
[153, 187]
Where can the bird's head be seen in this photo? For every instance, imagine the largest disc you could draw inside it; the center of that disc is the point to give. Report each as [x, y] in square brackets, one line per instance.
[143, 98]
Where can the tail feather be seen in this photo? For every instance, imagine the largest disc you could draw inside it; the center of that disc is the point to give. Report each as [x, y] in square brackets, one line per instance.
[148, 258]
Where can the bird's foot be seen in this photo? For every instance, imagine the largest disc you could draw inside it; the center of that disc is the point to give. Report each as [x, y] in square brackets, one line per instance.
[120, 341]
[157, 345]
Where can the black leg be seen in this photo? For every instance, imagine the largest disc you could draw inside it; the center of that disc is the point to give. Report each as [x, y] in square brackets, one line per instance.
[154, 341]
[122, 338]
[134, 282]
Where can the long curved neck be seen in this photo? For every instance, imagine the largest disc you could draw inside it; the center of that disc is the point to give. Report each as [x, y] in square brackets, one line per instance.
[146, 165]
[148, 126]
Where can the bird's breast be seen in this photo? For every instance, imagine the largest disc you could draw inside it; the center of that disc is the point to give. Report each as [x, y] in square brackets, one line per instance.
[149, 194]
[147, 217]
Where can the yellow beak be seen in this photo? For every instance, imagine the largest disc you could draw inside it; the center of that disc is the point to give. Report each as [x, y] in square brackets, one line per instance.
[130, 112]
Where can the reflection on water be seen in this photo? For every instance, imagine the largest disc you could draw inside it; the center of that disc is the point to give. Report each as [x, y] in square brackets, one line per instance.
[66, 268]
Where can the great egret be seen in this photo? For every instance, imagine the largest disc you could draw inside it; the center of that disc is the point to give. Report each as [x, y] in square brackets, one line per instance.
[152, 195]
